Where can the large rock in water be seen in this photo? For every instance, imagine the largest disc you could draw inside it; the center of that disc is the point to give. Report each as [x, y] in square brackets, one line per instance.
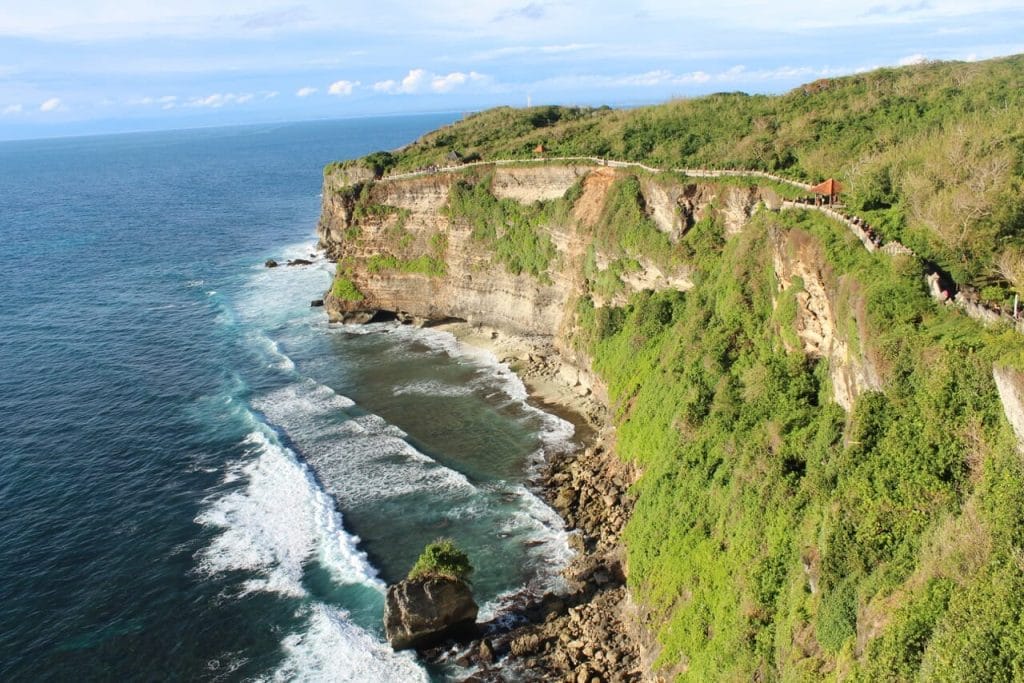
[426, 611]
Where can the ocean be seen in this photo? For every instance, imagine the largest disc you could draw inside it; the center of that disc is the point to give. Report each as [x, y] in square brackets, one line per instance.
[202, 479]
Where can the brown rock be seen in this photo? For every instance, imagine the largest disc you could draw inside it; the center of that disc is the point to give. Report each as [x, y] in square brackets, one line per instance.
[486, 651]
[426, 611]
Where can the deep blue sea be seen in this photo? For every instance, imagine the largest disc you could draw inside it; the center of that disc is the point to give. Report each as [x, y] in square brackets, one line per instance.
[200, 478]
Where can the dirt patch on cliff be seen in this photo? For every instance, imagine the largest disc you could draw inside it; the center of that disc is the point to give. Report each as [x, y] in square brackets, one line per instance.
[595, 190]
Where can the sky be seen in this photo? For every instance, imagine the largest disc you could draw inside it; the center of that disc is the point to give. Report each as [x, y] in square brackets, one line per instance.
[72, 67]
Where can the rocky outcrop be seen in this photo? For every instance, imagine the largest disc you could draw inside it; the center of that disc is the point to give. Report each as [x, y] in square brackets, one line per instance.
[537, 183]
[830, 315]
[425, 611]
[1010, 384]
[676, 207]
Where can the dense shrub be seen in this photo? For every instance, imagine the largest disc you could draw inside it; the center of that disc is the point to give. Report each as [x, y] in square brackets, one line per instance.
[442, 558]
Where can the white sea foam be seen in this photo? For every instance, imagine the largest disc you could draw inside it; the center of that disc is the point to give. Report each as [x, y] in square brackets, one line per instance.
[433, 388]
[272, 527]
[276, 523]
[362, 458]
[275, 296]
[555, 433]
[334, 649]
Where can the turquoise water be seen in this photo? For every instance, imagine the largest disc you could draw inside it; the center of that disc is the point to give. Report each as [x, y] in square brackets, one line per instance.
[200, 478]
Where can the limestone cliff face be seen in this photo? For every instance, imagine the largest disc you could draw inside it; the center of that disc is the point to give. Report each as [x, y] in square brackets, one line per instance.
[830, 316]
[473, 286]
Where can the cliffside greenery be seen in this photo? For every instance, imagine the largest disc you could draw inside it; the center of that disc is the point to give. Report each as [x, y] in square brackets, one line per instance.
[775, 536]
[343, 287]
[442, 558]
[513, 231]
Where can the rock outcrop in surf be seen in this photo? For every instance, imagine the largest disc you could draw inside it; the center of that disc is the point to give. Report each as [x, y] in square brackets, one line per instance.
[425, 611]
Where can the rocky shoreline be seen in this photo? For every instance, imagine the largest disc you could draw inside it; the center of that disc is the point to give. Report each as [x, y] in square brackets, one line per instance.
[588, 634]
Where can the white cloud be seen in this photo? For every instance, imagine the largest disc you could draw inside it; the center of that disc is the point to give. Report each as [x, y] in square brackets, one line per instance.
[269, 95]
[421, 80]
[164, 102]
[454, 80]
[517, 50]
[214, 101]
[305, 92]
[12, 109]
[414, 80]
[52, 104]
[913, 59]
[342, 87]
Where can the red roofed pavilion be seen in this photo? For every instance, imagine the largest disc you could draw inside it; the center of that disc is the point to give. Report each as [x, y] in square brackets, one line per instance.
[829, 189]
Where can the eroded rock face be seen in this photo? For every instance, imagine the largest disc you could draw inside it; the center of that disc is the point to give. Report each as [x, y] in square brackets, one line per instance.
[1010, 384]
[830, 316]
[473, 287]
[423, 612]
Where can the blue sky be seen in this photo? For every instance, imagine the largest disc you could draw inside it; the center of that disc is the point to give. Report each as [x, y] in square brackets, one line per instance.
[74, 67]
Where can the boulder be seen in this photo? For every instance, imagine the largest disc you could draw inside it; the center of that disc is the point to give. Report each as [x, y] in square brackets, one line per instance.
[316, 303]
[270, 263]
[299, 262]
[426, 611]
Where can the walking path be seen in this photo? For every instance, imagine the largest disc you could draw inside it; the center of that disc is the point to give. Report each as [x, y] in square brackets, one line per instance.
[952, 295]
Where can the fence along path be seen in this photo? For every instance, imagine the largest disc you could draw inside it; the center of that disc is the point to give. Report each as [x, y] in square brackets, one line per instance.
[860, 229]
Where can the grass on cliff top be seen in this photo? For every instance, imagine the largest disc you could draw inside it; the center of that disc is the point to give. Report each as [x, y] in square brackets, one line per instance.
[772, 532]
[931, 154]
[442, 558]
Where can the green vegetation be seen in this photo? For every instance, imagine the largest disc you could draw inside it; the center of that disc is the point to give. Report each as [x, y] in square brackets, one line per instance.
[512, 230]
[442, 558]
[626, 229]
[423, 265]
[376, 164]
[757, 486]
[343, 288]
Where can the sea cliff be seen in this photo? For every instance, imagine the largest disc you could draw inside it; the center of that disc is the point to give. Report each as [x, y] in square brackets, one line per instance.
[770, 476]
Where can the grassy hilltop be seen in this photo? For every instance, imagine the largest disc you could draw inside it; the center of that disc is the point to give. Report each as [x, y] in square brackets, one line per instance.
[776, 536]
[932, 154]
